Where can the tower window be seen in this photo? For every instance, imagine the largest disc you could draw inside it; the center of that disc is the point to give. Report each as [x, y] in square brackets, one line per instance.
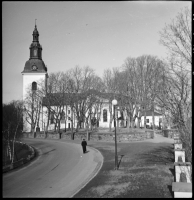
[35, 52]
[34, 86]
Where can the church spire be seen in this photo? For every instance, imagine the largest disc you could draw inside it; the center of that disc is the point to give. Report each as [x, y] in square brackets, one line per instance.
[35, 62]
[35, 33]
[35, 47]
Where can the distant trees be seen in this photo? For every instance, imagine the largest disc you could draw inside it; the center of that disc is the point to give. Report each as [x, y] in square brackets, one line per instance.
[138, 85]
[56, 98]
[12, 125]
[83, 85]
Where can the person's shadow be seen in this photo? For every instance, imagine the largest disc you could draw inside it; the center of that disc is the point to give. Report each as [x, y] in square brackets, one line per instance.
[120, 161]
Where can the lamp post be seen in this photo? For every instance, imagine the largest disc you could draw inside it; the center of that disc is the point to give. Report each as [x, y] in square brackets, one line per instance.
[114, 102]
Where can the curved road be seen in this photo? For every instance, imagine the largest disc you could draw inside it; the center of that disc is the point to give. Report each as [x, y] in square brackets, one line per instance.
[60, 170]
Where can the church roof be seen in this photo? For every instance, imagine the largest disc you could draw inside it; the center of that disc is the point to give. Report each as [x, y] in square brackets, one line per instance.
[57, 99]
[38, 63]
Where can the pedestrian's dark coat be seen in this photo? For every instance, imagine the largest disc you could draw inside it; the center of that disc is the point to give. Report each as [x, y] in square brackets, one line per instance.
[84, 144]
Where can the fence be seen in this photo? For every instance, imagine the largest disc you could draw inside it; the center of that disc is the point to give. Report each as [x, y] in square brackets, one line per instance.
[182, 187]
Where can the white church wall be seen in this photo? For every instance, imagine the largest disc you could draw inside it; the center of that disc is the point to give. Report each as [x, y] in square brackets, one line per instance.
[28, 79]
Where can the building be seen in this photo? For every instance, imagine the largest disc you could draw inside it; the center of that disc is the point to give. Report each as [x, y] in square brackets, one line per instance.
[37, 109]
[149, 119]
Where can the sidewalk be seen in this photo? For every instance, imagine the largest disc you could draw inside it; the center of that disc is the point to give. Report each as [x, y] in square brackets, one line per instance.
[93, 162]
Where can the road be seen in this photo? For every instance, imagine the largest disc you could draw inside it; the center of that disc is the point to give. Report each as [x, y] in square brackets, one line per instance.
[60, 170]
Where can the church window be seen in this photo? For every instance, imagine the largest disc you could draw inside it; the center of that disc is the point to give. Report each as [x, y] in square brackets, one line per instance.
[35, 52]
[104, 115]
[34, 85]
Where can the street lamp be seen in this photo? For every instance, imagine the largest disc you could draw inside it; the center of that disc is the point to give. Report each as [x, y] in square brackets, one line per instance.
[114, 102]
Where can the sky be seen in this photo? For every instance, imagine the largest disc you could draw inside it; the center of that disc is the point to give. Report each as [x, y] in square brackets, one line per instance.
[99, 34]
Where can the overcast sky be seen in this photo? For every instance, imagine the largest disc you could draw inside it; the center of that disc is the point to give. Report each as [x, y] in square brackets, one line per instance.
[100, 34]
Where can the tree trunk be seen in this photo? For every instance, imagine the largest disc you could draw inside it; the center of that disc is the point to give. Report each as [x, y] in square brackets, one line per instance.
[153, 117]
[72, 126]
[138, 122]
[14, 144]
[110, 123]
[72, 135]
[33, 129]
[111, 117]
[59, 126]
[128, 122]
[153, 120]
[77, 127]
[87, 130]
[66, 118]
[145, 120]
[132, 124]
[47, 125]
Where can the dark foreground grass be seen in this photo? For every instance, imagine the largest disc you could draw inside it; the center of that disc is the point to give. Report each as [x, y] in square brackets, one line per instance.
[21, 151]
[145, 171]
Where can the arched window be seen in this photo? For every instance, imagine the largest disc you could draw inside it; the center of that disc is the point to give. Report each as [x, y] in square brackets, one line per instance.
[104, 115]
[34, 86]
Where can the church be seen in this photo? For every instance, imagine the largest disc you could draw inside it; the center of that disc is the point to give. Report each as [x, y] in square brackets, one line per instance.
[35, 70]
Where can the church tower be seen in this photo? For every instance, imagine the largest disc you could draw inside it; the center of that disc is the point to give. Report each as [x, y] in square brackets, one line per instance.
[34, 69]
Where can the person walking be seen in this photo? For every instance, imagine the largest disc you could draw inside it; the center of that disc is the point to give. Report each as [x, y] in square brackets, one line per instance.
[84, 144]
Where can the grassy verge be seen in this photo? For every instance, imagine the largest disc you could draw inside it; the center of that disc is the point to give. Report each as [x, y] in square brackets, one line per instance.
[145, 171]
[21, 151]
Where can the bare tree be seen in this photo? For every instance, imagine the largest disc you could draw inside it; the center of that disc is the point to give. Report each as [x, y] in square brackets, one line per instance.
[177, 38]
[82, 86]
[32, 106]
[12, 124]
[110, 89]
[55, 98]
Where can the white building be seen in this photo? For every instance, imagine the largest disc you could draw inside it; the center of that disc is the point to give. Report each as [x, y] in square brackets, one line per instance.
[35, 70]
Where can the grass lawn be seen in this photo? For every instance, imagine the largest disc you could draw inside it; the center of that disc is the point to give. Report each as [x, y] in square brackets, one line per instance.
[146, 170]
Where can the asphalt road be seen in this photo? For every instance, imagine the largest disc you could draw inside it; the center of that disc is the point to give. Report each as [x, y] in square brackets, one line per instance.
[60, 170]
